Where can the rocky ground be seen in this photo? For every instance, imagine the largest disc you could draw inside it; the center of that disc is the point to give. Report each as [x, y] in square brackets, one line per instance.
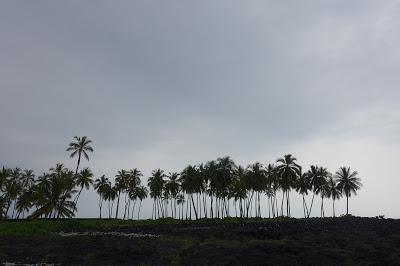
[328, 241]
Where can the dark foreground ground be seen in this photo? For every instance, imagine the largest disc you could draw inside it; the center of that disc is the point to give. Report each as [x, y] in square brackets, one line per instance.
[328, 241]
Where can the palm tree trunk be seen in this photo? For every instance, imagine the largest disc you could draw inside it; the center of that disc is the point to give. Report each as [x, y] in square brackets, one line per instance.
[211, 210]
[159, 208]
[190, 207]
[77, 196]
[126, 194]
[140, 205]
[77, 166]
[116, 212]
[12, 215]
[152, 211]
[322, 207]
[187, 207]
[312, 201]
[283, 197]
[347, 204]
[100, 204]
[305, 209]
[205, 205]
[133, 209]
[249, 204]
[172, 208]
[109, 209]
[333, 207]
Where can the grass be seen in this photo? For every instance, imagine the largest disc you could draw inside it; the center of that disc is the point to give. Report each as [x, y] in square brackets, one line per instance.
[48, 227]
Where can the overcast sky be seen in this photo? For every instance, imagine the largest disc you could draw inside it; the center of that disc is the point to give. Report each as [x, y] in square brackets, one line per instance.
[168, 83]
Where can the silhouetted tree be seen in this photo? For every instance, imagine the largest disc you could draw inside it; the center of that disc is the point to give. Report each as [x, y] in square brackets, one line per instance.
[156, 184]
[80, 145]
[288, 171]
[348, 183]
[83, 180]
[101, 186]
[333, 192]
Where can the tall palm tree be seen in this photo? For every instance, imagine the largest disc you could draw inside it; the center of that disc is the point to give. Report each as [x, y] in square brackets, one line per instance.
[333, 192]
[273, 186]
[13, 188]
[224, 174]
[83, 180]
[141, 194]
[188, 179]
[322, 186]
[348, 183]
[100, 185]
[302, 187]
[315, 182]
[256, 182]
[110, 194]
[172, 187]
[4, 173]
[121, 184]
[80, 145]
[210, 170]
[180, 201]
[238, 188]
[132, 182]
[288, 171]
[156, 184]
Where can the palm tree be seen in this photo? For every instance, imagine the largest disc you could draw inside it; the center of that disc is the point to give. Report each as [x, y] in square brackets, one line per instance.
[181, 202]
[272, 187]
[256, 182]
[52, 195]
[100, 185]
[288, 172]
[348, 182]
[80, 145]
[13, 188]
[3, 176]
[156, 184]
[172, 187]
[333, 192]
[224, 174]
[189, 185]
[238, 188]
[315, 182]
[210, 171]
[121, 184]
[133, 181]
[110, 194]
[24, 202]
[141, 194]
[302, 187]
[83, 180]
[321, 186]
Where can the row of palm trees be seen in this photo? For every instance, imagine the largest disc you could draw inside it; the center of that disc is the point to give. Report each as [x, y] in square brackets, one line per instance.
[211, 189]
[216, 189]
[52, 195]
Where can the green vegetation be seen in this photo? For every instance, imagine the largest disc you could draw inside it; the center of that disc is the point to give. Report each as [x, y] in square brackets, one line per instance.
[215, 189]
[42, 227]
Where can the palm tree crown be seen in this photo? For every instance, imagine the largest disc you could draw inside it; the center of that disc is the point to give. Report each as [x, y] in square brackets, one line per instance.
[80, 145]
